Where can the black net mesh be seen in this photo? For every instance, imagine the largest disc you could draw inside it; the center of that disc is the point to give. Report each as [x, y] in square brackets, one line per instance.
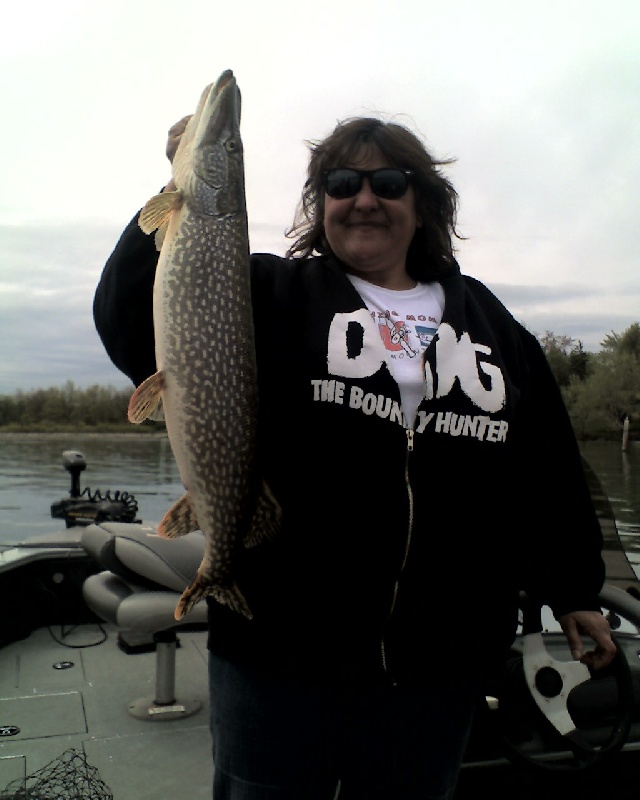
[68, 777]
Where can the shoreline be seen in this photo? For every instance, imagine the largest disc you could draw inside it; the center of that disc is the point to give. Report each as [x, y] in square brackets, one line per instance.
[87, 434]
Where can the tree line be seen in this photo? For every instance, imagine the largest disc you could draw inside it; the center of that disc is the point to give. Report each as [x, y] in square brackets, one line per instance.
[600, 390]
[66, 408]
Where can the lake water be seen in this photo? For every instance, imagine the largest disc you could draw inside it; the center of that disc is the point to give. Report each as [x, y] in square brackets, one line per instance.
[32, 478]
[619, 474]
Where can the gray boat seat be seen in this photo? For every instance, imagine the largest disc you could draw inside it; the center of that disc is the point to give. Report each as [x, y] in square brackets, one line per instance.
[138, 589]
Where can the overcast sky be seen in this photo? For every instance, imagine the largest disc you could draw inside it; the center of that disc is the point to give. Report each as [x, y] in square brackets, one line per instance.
[539, 103]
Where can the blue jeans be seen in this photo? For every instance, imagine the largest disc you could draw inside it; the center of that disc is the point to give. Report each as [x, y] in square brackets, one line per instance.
[277, 740]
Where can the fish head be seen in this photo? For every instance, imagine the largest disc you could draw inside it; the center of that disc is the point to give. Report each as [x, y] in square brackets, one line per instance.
[209, 163]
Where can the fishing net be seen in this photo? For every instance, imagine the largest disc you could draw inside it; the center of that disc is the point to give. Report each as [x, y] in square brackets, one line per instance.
[68, 777]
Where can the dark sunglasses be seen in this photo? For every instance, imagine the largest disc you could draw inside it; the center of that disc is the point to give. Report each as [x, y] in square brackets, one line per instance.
[388, 182]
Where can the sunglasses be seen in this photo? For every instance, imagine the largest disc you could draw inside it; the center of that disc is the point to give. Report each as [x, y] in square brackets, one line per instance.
[388, 182]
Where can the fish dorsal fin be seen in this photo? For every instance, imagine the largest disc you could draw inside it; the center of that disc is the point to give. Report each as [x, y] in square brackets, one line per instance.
[266, 519]
[158, 210]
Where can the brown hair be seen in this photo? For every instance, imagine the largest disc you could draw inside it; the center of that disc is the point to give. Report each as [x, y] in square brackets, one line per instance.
[431, 251]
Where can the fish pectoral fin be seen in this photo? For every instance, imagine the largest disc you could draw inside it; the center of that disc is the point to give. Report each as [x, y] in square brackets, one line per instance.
[201, 587]
[158, 210]
[267, 518]
[146, 401]
[179, 520]
[157, 415]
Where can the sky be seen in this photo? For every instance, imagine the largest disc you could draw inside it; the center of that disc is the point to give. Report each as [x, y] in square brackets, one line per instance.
[538, 103]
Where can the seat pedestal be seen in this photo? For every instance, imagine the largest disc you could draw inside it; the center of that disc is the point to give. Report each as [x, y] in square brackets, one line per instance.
[164, 705]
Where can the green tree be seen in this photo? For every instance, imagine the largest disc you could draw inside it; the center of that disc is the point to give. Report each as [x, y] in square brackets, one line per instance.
[599, 404]
[566, 356]
[626, 342]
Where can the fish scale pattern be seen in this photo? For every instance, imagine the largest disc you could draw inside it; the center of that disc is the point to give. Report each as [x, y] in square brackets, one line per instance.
[211, 364]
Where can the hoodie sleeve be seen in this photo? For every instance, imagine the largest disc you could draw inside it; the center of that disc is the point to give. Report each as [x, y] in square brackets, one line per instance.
[565, 569]
[123, 304]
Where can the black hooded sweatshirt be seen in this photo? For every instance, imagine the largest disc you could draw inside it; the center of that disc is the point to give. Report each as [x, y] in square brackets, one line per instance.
[401, 552]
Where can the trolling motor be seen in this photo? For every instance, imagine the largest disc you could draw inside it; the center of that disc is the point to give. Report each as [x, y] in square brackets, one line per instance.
[83, 508]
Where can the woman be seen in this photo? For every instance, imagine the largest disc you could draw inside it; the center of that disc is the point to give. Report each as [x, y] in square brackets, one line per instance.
[418, 446]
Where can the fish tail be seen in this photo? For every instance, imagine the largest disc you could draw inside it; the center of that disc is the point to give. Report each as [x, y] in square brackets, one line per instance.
[230, 596]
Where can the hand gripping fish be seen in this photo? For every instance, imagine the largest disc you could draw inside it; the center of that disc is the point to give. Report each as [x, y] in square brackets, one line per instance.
[206, 380]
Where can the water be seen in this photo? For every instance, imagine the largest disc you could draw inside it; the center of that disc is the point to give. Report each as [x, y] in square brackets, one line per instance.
[32, 478]
[619, 474]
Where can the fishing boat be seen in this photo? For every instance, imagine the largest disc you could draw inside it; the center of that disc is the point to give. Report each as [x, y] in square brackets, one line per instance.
[103, 695]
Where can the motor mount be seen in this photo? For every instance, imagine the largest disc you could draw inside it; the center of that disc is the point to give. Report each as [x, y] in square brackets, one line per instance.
[85, 507]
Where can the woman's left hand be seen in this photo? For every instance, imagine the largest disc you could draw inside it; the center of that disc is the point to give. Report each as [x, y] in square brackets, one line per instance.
[593, 624]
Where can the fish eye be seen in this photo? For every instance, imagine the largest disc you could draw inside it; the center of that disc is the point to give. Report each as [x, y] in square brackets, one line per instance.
[231, 145]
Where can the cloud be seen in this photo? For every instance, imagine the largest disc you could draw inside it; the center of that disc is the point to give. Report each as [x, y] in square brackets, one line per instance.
[48, 277]
[48, 274]
[573, 310]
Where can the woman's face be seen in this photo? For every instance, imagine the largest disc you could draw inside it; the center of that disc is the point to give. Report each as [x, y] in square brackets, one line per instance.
[370, 234]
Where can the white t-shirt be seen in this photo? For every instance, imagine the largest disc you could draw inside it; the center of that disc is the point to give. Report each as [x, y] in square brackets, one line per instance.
[407, 321]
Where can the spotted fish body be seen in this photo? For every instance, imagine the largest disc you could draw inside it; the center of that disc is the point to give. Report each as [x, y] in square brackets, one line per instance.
[206, 380]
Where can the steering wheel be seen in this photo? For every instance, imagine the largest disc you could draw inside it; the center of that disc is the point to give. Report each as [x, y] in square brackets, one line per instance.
[555, 714]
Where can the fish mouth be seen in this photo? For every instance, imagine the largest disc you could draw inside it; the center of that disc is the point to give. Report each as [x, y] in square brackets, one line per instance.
[226, 93]
[226, 82]
[220, 111]
[223, 81]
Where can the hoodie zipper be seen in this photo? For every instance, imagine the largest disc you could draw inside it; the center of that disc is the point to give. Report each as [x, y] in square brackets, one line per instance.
[410, 434]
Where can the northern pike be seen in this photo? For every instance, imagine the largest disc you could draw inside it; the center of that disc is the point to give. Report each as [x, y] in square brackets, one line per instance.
[206, 383]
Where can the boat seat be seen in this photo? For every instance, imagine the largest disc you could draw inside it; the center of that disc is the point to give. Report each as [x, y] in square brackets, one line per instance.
[137, 590]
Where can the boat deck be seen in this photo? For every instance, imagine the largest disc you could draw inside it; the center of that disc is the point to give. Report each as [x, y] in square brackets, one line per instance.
[70, 689]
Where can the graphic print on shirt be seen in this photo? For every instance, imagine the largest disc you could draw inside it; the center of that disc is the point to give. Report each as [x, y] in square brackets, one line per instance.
[457, 360]
[397, 335]
[405, 336]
